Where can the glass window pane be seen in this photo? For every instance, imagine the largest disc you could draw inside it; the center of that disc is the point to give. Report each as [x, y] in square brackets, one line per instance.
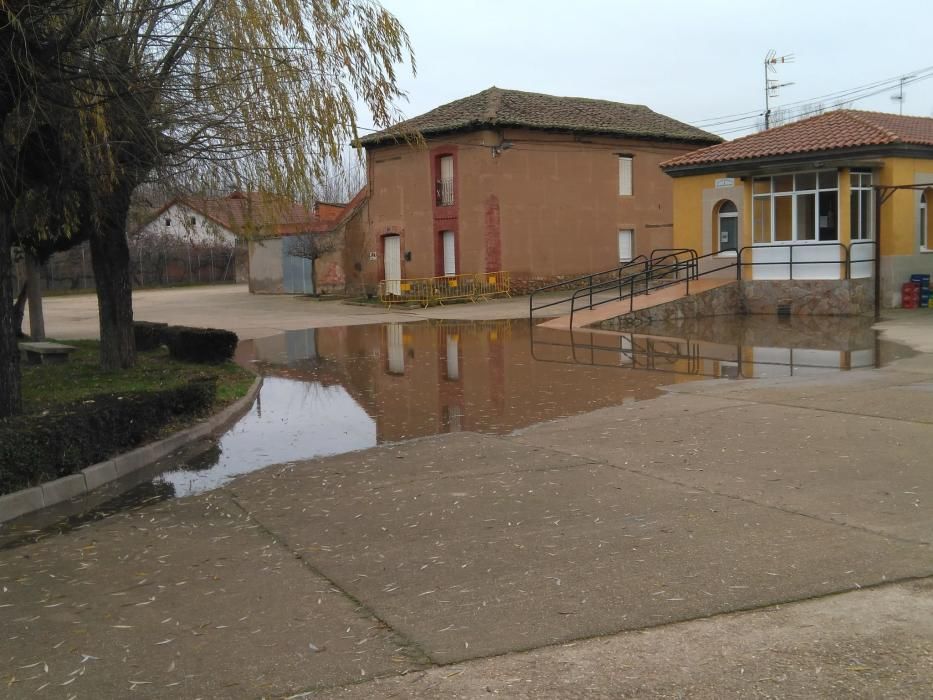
[854, 180]
[761, 185]
[783, 219]
[827, 224]
[783, 183]
[762, 219]
[806, 217]
[854, 216]
[866, 223]
[805, 181]
[727, 207]
[829, 179]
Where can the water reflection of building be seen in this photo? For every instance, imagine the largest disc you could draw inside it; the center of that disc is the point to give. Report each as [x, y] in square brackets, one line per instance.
[424, 378]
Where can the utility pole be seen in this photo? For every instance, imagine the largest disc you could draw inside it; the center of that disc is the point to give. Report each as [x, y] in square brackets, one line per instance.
[771, 84]
[899, 97]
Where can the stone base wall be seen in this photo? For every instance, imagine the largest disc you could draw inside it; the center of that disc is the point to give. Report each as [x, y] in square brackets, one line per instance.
[721, 301]
[801, 297]
[810, 297]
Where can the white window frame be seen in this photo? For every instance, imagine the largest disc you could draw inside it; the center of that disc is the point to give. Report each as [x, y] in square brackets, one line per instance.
[855, 227]
[793, 193]
[626, 172]
[630, 233]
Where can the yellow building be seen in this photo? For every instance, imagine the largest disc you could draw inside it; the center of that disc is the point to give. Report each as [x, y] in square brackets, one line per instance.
[812, 200]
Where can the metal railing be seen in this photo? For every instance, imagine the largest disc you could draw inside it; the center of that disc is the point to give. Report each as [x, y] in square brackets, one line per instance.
[427, 291]
[844, 259]
[444, 191]
[637, 263]
[666, 267]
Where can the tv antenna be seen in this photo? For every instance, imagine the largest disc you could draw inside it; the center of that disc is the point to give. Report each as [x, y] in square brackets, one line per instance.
[772, 85]
[899, 97]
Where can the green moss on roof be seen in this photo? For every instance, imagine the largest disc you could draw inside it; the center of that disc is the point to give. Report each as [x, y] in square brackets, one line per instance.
[499, 108]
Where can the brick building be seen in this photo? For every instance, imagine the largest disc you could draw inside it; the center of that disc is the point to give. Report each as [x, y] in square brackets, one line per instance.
[543, 187]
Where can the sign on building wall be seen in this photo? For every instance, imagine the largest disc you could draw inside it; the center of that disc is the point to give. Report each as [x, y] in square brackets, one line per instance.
[725, 182]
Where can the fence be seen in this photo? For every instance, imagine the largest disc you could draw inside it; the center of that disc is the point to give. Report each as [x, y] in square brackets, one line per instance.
[437, 290]
[151, 265]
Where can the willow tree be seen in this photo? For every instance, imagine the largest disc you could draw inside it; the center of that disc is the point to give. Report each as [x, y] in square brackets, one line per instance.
[252, 94]
[33, 38]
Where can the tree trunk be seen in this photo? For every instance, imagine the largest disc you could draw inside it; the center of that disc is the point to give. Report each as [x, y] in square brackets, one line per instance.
[34, 293]
[110, 259]
[10, 385]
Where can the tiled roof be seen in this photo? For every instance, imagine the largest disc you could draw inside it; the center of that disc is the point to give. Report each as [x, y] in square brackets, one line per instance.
[840, 129]
[496, 107]
[265, 214]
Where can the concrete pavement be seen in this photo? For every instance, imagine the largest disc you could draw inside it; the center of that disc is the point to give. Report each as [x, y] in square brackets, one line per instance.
[604, 555]
[762, 538]
[254, 315]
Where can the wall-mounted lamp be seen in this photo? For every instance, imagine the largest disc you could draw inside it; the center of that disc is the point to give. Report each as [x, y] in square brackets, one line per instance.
[407, 256]
[503, 146]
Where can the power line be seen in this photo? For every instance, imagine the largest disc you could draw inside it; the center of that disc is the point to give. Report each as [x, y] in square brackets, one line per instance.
[847, 95]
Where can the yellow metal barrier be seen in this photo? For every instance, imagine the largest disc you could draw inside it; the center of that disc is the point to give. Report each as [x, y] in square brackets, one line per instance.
[426, 291]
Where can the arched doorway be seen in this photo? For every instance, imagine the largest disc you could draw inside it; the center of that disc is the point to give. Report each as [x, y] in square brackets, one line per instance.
[727, 227]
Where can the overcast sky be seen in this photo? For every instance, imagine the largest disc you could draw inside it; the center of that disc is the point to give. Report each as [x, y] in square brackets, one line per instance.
[690, 60]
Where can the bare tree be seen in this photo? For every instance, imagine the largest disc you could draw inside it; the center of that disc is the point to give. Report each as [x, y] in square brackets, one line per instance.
[313, 246]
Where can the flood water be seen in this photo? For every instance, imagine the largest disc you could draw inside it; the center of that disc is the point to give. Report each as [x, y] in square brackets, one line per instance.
[328, 391]
[333, 390]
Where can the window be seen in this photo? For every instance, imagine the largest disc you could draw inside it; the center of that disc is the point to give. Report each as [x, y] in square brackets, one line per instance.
[796, 208]
[861, 207]
[626, 244]
[445, 183]
[192, 221]
[728, 220]
[625, 175]
[168, 222]
[449, 242]
[924, 235]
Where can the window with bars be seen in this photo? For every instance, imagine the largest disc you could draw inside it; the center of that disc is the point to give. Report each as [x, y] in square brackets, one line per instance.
[445, 183]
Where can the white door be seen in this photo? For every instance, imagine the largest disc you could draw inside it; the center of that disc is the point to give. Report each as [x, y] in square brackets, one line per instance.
[395, 344]
[392, 252]
[450, 253]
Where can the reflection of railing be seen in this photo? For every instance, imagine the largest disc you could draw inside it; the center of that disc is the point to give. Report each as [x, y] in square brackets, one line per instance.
[675, 355]
[426, 291]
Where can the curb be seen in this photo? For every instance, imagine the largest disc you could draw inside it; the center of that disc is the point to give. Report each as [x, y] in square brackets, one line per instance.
[13, 505]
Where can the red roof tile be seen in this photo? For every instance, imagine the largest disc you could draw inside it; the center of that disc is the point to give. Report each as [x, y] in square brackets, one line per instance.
[844, 128]
[266, 214]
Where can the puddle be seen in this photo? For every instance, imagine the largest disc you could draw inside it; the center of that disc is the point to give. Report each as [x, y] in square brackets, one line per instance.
[333, 390]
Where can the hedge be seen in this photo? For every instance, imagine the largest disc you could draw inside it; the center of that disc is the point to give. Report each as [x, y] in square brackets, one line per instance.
[148, 334]
[41, 447]
[204, 345]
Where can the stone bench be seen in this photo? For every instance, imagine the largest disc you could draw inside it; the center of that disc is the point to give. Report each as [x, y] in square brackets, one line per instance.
[42, 352]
